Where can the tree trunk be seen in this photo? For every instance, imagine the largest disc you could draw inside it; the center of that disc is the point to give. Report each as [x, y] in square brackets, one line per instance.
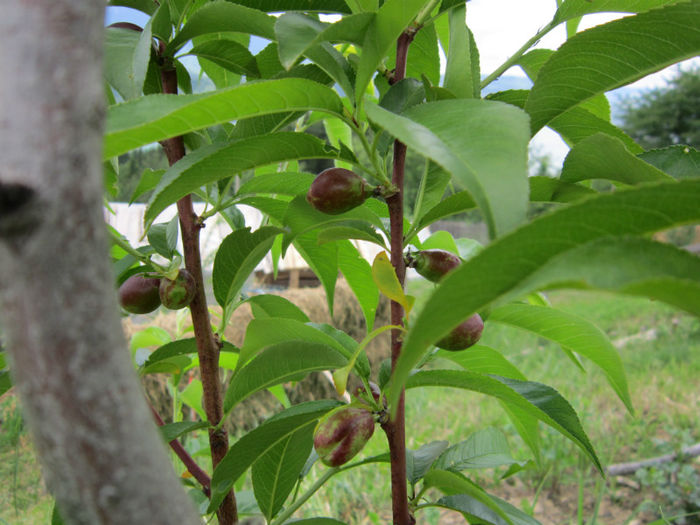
[99, 449]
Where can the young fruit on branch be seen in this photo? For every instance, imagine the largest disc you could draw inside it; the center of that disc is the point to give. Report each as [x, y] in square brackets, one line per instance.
[179, 292]
[361, 393]
[464, 336]
[342, 433]
[139, 294]
[433, 264]
[337, 190]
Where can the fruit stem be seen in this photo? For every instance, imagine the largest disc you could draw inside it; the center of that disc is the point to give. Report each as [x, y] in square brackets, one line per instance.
[395, 428]
[207, 344]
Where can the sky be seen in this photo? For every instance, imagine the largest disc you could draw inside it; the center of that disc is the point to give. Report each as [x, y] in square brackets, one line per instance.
[500, 28]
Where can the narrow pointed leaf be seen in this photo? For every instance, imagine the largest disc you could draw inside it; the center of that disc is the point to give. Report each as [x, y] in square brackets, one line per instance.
[157, 117]
[259, 441]
[127, 54]
[229, 55]
[462, 69]
[488, 157]
[631, 266]
[613, 55]
[604, 157]
[323, 260]
[680, 161]
[572, 332]
[485, 448]
[275, 473]
[273, 6]
[575, 124]
[539, 401]
[238, 255]
[279, 363]
[390, 21]
[574, 8]
[358, 274]
[212, 163]
[221, 17]
[503, 265]
[269, 305]
[173, 431]
[454, 483]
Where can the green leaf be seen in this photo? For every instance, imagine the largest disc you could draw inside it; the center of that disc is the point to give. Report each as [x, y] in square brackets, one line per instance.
[127, 53]
[485, 360]
[297, 33]
[488, 157]
[419, 461]
[474, 509]
[358, 274]
[238, 255]
[423, 55]
[384, 277]
[5, 381]
[462, 75]
[264, 332]
[502, 266]
[574, 8]
[351, 230]
[157, 117]
[455, 203]
[222, 17]
[278, 183]
[485, 448]
[276, 472]
[627, 265]
[575, 124]
[163, 237]
[173, 431]
[539, 401]
[323, 260]
[147, 6]
[301, 217]
[386, 27]
[604, 157]
[229, 55]
[268, 305]
[259, 441]
[453, 483]
[571, 332]
[613, 55]
[209, 164]
[548, 189]
[279, 363]
[273, 6]
[317, 521]
[680, 161]
[148, 181]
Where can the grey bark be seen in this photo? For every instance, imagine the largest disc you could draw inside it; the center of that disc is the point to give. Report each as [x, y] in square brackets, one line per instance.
[100, 451]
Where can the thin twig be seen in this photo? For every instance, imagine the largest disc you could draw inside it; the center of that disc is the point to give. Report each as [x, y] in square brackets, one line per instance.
[190, 464]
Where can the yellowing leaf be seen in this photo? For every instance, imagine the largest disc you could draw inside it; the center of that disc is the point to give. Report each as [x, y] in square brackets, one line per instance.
[385, 278]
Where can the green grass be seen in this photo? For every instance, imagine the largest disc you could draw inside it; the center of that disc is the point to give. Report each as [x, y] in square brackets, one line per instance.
[659, 346]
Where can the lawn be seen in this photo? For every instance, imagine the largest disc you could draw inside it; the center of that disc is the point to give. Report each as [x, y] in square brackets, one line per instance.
[660, 348]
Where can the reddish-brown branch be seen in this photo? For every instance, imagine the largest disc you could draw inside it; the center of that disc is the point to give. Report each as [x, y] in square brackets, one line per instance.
[191, 465]
[395, 428]
[207, 344]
